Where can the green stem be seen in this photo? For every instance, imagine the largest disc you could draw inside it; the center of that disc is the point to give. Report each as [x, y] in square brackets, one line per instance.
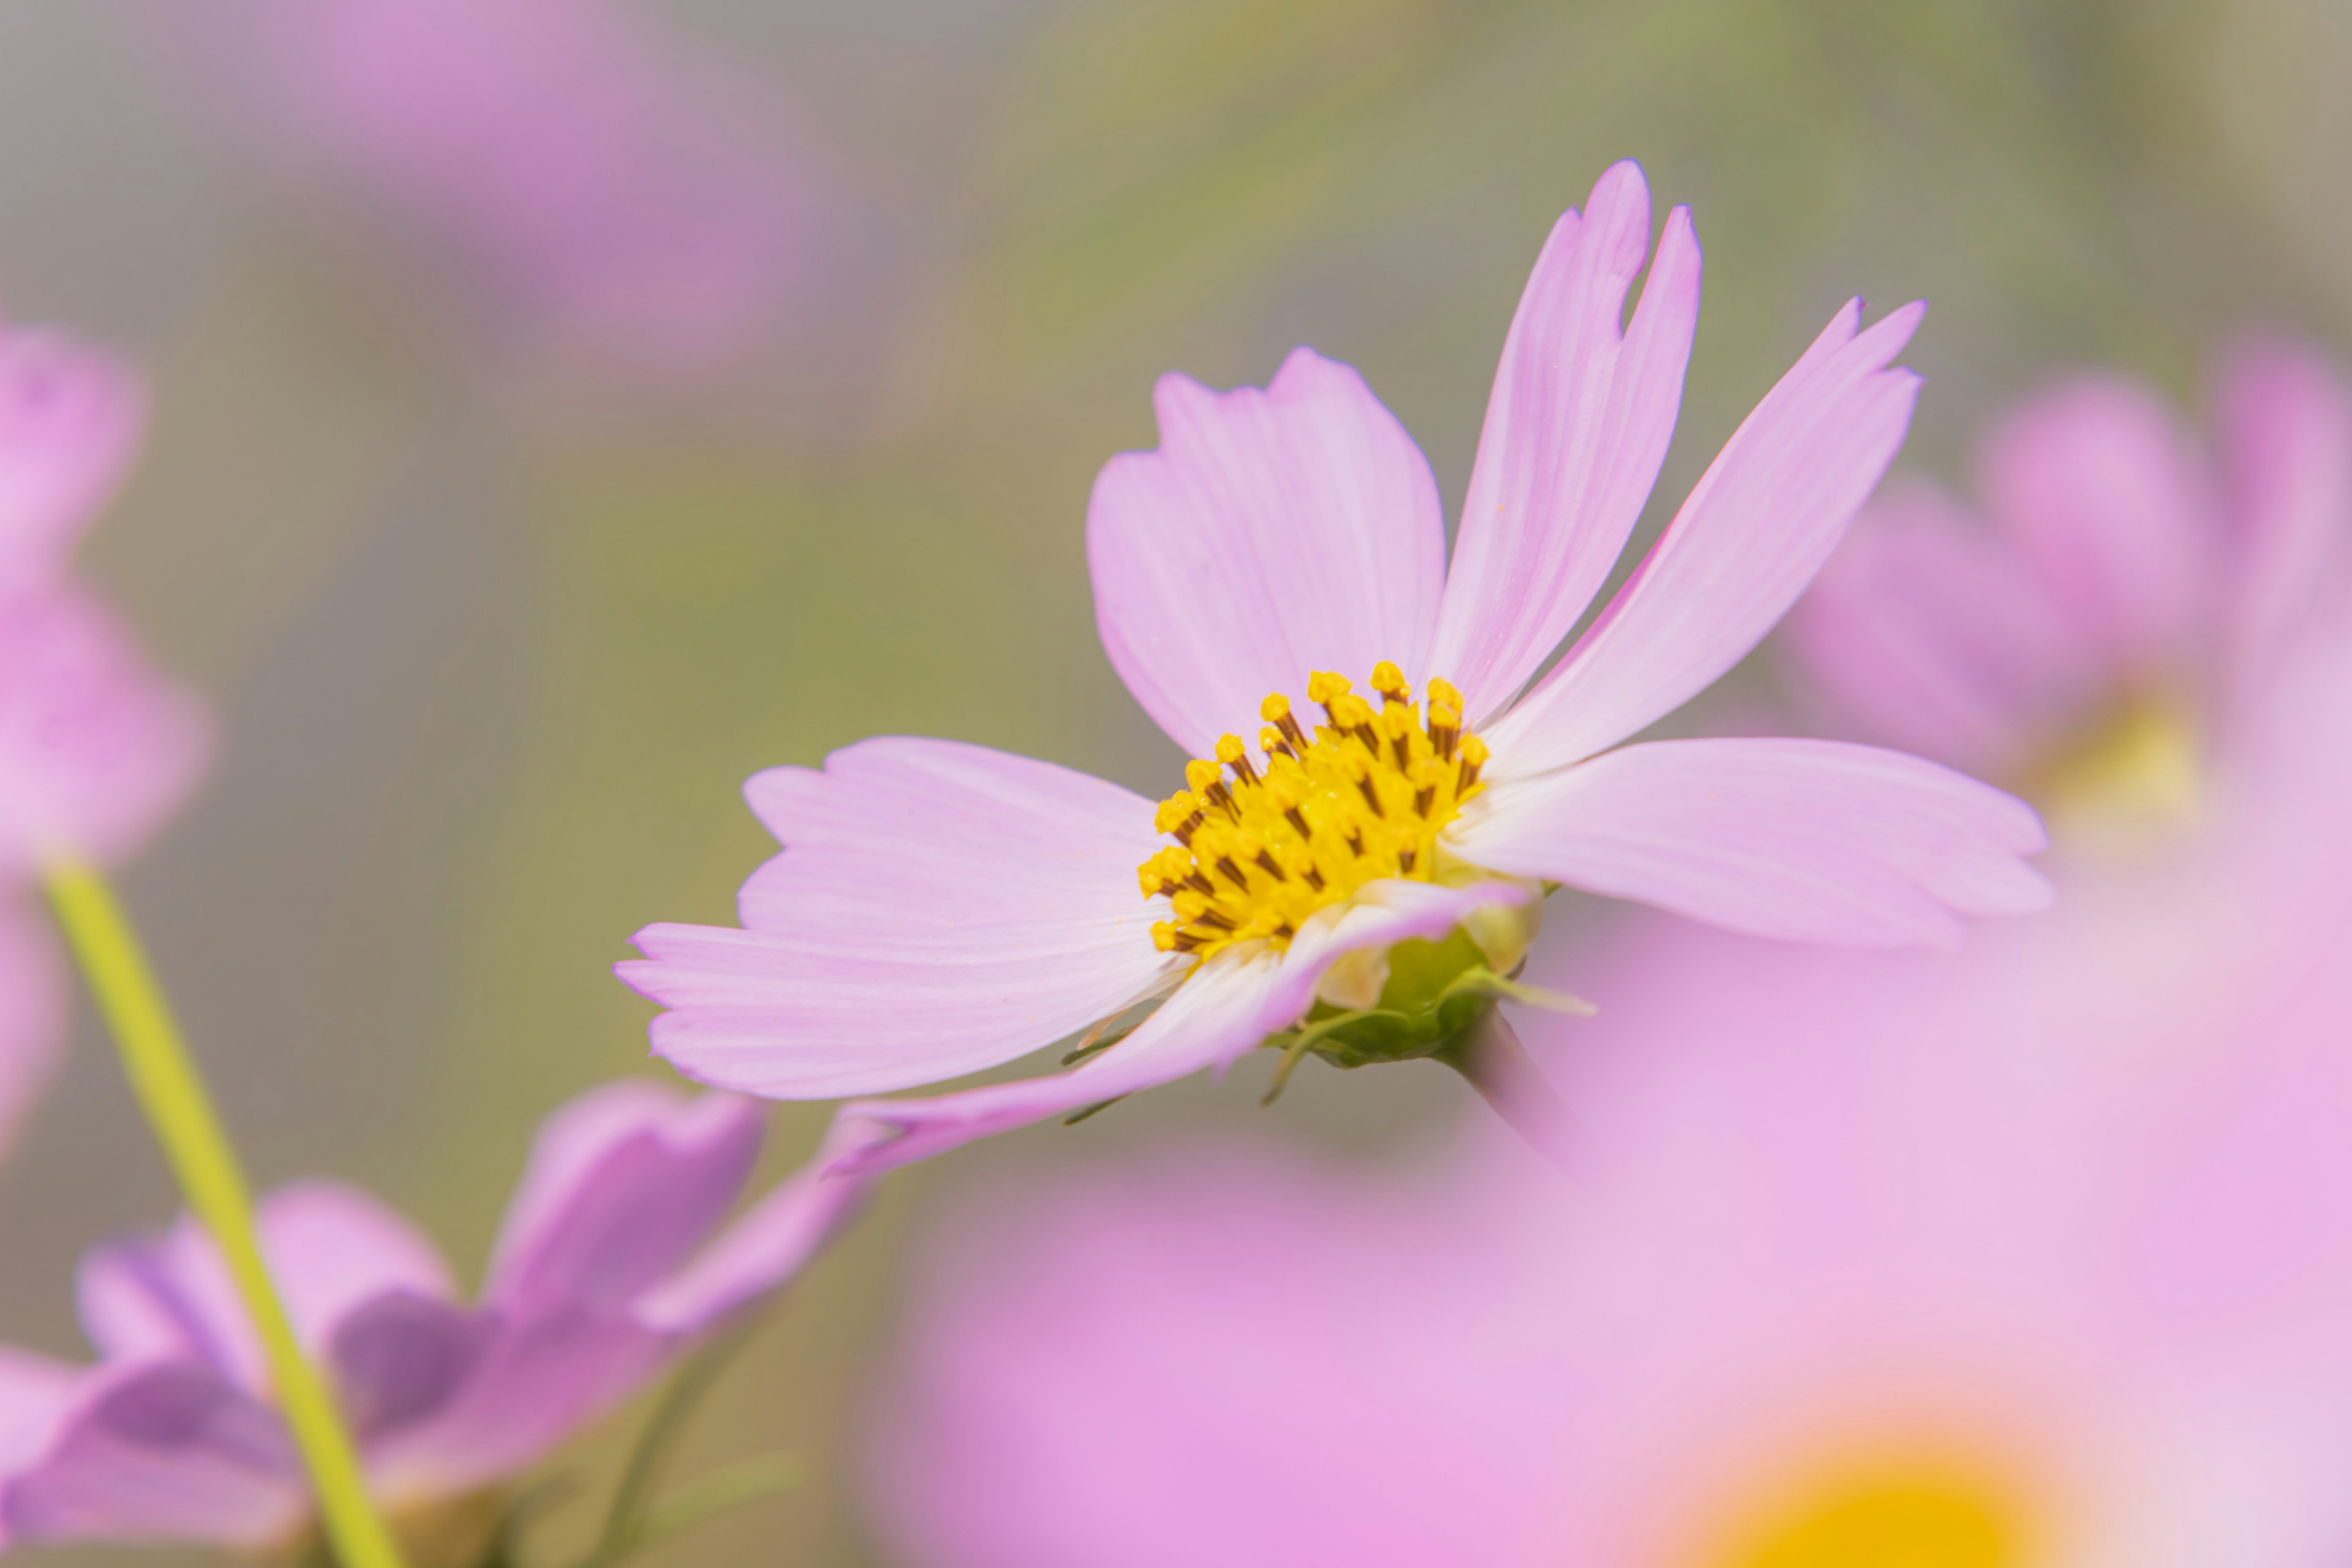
[163, 1076]
[632, 1504]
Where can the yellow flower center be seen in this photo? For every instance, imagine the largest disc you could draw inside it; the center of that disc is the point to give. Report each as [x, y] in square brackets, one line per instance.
[2126, 784]
[1927, 1513]
[1363, 797]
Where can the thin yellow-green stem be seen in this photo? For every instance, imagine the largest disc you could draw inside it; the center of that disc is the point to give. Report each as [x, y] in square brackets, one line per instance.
[163, 1076]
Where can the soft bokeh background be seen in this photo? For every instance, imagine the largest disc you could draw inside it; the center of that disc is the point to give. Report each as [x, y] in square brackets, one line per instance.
[496, 633]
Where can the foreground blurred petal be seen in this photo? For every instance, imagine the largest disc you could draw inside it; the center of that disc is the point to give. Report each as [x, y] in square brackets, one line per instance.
[939, 908]
[1271, 534]
[1759, 523]
[1813, 840]
[2286, 442]
[1578, 422]
[70, 420]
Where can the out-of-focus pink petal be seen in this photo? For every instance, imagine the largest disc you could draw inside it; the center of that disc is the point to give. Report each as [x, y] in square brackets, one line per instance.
[1227, 1007]
[770, 1244]
[938, 909]
[1578, 422]
[32, 1014]
[36, 1392]
[70, 420]
[624, 1184]
[1935, 636]
[166, 1452]
[2107, 495]
[1761, 522]
[95, 747]
[1813, 840]
[400, 1360]
[2285, 417]
[1270, 534]
[333, 1249]
[168, 1296]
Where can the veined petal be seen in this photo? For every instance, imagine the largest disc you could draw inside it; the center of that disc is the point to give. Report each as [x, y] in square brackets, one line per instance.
[1236, 999]
[1937, 636]
[1272, 533]
[1577, 426]
[624, 1184]
[164, 1452]
[1811, 840]
[1762, 521]
[2287, 446]
[2106, 494]
[938, 909]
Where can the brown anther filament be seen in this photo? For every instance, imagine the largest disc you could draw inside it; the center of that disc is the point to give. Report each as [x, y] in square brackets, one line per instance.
[1233, 872]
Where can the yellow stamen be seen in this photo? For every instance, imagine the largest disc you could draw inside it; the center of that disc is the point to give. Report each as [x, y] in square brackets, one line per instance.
[1361, 798]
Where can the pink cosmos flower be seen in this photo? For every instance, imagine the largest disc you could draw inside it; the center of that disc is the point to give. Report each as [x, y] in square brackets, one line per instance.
[597, 194]
[70, 421]
[2100, 641]
[605, 1269]
[1815, 1287]
[1360, 886]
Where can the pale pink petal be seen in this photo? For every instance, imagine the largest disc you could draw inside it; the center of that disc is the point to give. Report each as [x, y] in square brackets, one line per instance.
[2286, 445]
[1759, 523]
[168, 1297]
[1811, 840]
[32, 1014]
[2104, 492]
[624, 1184]
[1580, 419]
[770, 1244]
[1271, 534]
[36, 1392]
[1937, 638]
[938, 909]
[332, 1249]
[168, 1452]
[1231, 1005]
[71, 422]
[97, 749]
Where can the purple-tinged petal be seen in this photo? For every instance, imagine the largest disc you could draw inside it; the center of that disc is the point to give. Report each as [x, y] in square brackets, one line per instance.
[70, 420]
[768, 1245]
[334, 1250]
[939, 908]
[2287, 446]
[1809, 840]
[2104, 492]
[1937, 638]
[36, 1392]
[624, 1184]
[1232, 1004]
[402, 1359]
[1762, 521]
[165, 1452]
[1578, 423]
[1271, 534]
[168, 1297]
[96, 748]
[32, 1014]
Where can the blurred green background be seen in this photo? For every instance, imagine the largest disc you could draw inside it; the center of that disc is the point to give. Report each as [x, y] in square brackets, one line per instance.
[493, 654]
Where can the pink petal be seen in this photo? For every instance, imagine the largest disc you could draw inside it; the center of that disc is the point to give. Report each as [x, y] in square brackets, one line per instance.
[2105, 494]
[1270, 533]
[1809, 840]
[1937, 638]
[1578, 422]
[939, 908]
[624, 1184]
[167, 1452]
[332, 1249]
[96, 748]
[71, 422]
[768, 1245]
[168, 1297]
[2286, 441]
[1758, 526]
[1227, 1007]
[36, 1392]
[32, 1014]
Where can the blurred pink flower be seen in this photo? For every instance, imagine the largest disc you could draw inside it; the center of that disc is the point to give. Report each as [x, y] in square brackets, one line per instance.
[606, 1268]
[601, 197]
[941, 909]
[71, 422]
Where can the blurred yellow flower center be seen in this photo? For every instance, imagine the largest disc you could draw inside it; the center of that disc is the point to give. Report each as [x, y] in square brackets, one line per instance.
[1930, 1515]
[2126, 784]
[1362, 797]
